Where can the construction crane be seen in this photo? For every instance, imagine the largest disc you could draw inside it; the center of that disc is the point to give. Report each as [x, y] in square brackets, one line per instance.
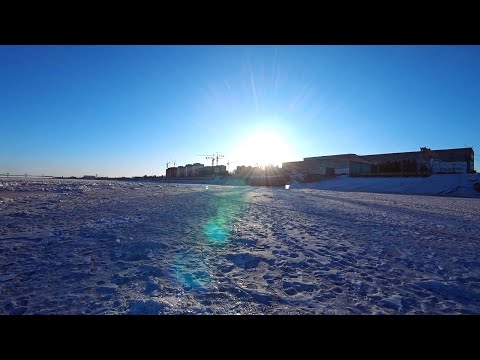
[219, 157]
[213, 157]
[170, 162]
[209, 157]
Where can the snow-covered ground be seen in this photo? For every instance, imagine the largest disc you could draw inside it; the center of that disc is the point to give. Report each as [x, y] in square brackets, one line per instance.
[460, 185]
[99, 247]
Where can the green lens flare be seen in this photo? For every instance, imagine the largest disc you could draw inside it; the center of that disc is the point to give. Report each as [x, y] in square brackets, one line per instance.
[229, 207]
[216, 233]
[225, 206]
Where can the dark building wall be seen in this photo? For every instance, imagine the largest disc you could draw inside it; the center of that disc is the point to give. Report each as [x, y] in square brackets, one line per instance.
[402, 163]
[450, 155]
[171, 172]
[341, 165]
[463, 154]
[338, 164]
[407, 156]
[206, 171]
[293, 166]
[181, 171]
[457, 155]
[357, 168]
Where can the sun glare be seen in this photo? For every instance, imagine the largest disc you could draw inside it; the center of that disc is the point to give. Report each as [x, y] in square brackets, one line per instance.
[263, 147]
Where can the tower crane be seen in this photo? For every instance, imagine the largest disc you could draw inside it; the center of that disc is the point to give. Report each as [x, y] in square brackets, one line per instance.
[212, 157]
[209, 157]
[219, 157]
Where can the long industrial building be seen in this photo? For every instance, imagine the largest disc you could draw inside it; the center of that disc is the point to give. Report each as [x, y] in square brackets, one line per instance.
[415, 163]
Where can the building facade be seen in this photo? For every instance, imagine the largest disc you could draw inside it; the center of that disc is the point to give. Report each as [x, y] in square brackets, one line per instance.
[171, 172]
[188, 170]
[181, 171]
[415, 163]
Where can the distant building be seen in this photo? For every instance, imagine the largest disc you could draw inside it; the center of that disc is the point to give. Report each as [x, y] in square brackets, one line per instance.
[188, 170]
[240, 170]
[462, 155]
[89, 177]
[249, 171]
[290, 167]
[196, 169]
[344, 164]
[244, 170]
[220, 169]
[181, 171]
[206, 171]
[171, 172]
[448, 161]
[423, 162]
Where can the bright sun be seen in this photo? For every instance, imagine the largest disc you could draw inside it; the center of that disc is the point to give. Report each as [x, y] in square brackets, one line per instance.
[263, 147]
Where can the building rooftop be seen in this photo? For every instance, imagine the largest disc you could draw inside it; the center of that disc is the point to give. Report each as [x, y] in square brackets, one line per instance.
[341, 157]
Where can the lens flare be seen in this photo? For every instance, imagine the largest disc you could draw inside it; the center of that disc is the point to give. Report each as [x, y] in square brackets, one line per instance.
[191, 267]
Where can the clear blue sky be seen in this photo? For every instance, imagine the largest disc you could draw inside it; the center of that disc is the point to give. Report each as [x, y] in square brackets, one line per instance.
[127, 110]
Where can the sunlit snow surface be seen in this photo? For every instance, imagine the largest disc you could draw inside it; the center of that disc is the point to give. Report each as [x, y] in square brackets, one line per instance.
[100, 247]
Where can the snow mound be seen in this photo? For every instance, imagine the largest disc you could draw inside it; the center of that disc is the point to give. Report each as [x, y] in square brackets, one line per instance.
[459, 185]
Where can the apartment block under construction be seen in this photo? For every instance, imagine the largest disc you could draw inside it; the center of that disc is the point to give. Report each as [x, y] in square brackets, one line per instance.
[195, 170]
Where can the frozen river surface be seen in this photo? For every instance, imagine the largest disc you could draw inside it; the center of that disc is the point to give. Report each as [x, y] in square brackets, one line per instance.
[99, 247]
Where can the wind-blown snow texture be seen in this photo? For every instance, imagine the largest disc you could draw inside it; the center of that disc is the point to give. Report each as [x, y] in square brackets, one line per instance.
[99, 247]
[461, 185]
